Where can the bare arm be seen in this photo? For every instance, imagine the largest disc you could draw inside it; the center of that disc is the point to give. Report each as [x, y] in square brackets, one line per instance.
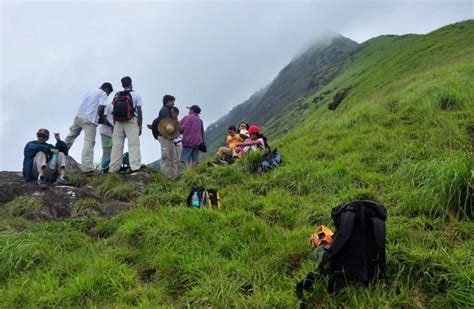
[255, 142]
[103, 118]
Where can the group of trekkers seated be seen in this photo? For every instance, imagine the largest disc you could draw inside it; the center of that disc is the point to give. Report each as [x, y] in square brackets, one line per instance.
[240, 142]
[117, 120]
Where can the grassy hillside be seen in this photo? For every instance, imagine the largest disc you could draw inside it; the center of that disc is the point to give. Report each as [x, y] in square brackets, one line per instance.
[403, 136]
[307, 73]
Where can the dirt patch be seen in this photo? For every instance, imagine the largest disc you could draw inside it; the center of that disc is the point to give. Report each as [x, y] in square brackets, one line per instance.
[339, 97]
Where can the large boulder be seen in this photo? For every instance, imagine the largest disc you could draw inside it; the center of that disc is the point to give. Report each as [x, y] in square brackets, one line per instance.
[58, 201]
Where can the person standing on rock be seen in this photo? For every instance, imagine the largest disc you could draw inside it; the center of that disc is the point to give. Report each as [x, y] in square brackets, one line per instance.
[87, 119]
[127, 114]
[106, 128]
[168, 158]
[44, 161]
[192, 128]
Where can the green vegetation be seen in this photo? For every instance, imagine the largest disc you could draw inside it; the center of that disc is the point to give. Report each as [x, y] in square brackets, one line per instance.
[403, 136]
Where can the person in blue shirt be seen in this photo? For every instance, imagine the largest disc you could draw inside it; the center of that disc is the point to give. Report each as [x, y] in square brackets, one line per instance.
[43, 161]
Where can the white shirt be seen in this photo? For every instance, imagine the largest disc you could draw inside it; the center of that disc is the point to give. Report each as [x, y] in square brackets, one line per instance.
[103, 129]
[90, 103]
[137, 99]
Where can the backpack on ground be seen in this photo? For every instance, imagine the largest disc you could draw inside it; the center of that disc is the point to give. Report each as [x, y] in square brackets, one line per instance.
[122, 103]
[357, 253]
[269, 161]
[200, 197]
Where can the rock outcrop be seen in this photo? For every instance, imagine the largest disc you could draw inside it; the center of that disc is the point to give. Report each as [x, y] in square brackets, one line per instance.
[59, 202]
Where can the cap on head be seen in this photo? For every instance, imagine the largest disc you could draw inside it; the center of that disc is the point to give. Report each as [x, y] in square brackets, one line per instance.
[44, 132]
[254, 130]
[195, 109]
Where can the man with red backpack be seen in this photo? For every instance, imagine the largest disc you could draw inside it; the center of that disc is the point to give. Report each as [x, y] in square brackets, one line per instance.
[127, 114]
[88, 120]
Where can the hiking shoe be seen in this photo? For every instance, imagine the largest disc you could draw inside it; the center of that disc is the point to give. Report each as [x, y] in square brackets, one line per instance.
[42, 182]
[64, 180]
[90, 173]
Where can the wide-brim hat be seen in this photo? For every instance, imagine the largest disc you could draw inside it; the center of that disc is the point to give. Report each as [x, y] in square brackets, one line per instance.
[168, 128]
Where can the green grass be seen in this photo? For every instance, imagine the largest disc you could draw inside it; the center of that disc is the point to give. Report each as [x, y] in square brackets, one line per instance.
[403, 137]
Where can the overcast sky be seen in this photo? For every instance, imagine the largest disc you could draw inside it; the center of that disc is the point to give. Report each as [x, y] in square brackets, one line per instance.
[213, 54]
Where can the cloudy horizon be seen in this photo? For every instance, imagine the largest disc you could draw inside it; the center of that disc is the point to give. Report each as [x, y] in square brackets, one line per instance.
[213, 54]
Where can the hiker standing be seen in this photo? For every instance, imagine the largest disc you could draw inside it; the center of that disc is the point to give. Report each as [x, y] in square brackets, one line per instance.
[127, 114]
[43, 161]
[168, 163]
[106, 127]
[192, 128]
[178, 144]
[87, 120]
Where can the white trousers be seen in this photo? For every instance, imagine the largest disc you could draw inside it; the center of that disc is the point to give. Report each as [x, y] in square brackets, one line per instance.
[129, 130]
[87, 158]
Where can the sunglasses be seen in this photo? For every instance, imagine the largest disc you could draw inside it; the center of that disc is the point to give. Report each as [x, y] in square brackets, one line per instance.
[41, 136]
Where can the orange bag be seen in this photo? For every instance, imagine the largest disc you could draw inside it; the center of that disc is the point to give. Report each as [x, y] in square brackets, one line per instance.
[322, 236]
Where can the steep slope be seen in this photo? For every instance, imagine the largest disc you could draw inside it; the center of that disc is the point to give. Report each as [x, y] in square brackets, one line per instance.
[404, 136]
[309, 72]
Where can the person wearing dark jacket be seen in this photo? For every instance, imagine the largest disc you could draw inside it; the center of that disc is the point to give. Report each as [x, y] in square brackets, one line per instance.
[43, 161]
[168, 164]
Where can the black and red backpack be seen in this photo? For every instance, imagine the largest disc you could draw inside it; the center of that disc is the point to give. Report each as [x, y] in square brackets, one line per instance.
[122, 103]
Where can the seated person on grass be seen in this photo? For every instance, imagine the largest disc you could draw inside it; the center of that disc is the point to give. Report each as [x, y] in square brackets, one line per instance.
[243, 130]
[254, 142]
[44, 161]
[232, 140]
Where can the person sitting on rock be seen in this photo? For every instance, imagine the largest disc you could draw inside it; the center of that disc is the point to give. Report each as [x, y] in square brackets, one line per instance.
[256, 141]
[232, 140]
[44, 161]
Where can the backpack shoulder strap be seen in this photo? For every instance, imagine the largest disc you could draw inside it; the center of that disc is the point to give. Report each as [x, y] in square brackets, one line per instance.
[379, 233]
[343, 233]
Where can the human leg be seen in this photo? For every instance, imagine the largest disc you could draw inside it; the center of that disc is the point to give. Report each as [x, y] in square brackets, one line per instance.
[74, 132]
[106, 150]
[167, 156]
[39, 165]
[118, 139]
[87, 159]
[132, 130]
[223, 151]
[194, 158]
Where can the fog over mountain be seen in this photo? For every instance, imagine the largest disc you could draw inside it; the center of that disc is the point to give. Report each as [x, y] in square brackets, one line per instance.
[213, 54]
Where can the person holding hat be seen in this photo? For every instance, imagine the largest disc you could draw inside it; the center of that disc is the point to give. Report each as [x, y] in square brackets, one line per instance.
[192, 128]
[44, 161]
[168, 163]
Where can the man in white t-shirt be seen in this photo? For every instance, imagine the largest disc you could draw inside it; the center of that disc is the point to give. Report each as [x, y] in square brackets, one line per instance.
[105, 130]
[87, 119]
[130, 129]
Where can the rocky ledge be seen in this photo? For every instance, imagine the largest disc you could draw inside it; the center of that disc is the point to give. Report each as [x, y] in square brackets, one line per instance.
[59, 201]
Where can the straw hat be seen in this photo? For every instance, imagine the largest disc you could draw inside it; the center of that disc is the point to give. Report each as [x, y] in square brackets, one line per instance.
[168, 128]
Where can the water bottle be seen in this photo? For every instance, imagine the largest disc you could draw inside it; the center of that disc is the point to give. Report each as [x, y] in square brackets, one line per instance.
[195, 200]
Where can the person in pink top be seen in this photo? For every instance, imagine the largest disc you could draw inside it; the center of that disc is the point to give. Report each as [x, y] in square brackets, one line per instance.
[192, 128]
[254, 142]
